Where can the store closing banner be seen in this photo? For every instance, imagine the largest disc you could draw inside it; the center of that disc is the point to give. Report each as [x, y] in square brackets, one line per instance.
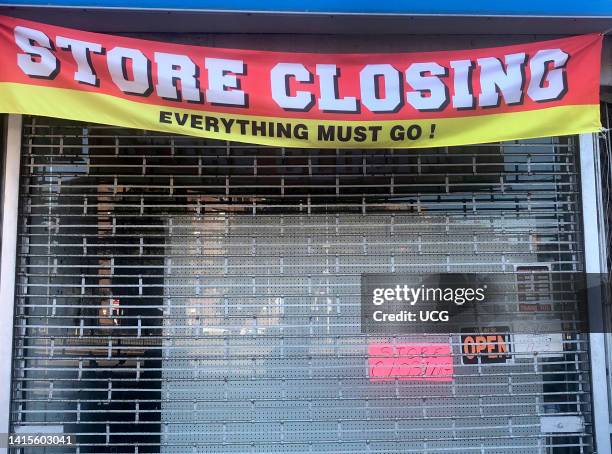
[407, 100]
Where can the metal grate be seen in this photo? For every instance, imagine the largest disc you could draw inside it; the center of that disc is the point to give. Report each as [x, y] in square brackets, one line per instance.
[191, 295]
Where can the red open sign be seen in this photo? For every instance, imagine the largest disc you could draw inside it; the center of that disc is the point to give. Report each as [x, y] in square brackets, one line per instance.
[410, 361]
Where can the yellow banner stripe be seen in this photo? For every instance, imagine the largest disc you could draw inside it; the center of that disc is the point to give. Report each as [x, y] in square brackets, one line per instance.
[110, 110]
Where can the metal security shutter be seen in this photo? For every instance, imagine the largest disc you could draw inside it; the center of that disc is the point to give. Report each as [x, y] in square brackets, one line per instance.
[200, 296]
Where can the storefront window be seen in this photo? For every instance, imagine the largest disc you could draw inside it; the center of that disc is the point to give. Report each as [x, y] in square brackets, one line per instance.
[196, 295]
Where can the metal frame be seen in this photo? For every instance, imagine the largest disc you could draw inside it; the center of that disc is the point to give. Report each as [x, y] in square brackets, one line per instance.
[595, 263]
[8, 258]
[605, 149]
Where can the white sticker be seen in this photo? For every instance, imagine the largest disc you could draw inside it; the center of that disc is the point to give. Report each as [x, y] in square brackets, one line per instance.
[561, 424]
[539, 343]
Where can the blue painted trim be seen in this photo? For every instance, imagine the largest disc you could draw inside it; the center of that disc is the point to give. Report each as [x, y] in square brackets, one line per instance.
[557, 8]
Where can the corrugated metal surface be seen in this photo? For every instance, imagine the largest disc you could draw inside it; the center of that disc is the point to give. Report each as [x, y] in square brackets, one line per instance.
[202, 296]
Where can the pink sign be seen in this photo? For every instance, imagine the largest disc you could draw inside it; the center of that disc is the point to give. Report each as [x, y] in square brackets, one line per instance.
[410, 361]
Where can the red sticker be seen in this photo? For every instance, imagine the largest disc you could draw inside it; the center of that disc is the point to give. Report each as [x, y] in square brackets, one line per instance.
[410, 361]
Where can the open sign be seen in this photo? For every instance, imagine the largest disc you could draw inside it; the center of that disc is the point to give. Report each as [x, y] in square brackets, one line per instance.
[485, 345]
